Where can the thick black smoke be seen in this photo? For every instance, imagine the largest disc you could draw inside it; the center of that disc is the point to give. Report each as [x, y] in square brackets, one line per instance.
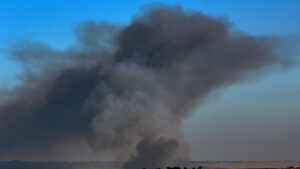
[154, 154]
[126, 89]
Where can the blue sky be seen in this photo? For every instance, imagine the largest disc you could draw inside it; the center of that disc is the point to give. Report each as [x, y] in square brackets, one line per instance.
[52, 21]
[270, 102]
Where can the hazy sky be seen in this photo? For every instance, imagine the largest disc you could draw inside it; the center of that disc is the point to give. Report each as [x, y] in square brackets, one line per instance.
[254, 120]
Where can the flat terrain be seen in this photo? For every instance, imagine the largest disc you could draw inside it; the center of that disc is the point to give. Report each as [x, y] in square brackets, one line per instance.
[118, 165]
[248, 164]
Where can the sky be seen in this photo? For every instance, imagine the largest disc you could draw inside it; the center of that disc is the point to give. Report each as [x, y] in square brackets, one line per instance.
[257, 119]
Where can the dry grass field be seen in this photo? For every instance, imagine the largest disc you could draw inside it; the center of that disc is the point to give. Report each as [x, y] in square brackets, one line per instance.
[118, 165]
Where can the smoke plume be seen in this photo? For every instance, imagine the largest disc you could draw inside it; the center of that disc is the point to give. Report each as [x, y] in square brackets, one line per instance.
[126, 89]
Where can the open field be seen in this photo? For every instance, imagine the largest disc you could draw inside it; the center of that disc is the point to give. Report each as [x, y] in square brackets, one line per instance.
[118, 165]
[247, 164]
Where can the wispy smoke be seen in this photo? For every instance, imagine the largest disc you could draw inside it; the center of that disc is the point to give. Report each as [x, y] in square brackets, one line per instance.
[126, 89]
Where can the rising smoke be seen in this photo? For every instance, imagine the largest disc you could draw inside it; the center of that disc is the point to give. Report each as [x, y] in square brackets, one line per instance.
[127, 89]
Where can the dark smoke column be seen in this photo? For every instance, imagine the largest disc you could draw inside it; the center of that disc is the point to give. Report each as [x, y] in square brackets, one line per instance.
[126, 90]
[154, 154]
[187, 55]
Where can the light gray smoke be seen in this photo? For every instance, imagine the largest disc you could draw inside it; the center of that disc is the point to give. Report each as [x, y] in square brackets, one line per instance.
[127, 89]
